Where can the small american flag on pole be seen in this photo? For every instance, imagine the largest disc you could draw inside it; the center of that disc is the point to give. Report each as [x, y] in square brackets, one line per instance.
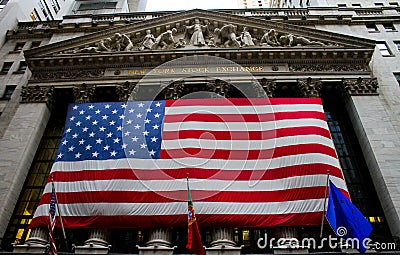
[52, 221]
[253, 163]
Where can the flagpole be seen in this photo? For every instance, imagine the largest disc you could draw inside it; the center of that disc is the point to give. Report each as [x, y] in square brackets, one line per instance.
[325, 197]
[59, 214]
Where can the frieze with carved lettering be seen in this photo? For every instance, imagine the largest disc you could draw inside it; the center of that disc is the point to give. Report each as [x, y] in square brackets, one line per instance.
[37, 94]
[360, 86]
[70, 74]
[327, 68]
[84, 93]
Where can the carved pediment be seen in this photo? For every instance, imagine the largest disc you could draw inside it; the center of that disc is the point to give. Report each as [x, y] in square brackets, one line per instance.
[199, 32]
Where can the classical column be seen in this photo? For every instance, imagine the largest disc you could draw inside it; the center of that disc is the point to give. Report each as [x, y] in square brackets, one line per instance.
[174, 90]
[83, 93]
[219, 87]
[159, 243]
[310, 87]
[269, 87]
[127, 91]
[159, 237]
[38, 242]
[23, 136]
[286, 245]
[95, 244]
[359, 86]
[223, 242]
[97, 238]
[376, 129]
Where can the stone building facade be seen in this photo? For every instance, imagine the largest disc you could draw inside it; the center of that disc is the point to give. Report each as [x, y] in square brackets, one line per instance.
[348, 57]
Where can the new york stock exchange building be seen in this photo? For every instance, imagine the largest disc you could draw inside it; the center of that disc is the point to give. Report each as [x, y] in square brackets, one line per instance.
[258, 108]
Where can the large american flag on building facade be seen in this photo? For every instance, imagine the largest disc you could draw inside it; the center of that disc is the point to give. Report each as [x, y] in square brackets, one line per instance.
[252, 163]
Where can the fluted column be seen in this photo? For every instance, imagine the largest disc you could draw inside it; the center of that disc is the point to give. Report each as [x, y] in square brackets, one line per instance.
[219, 87]
[223, 242]
[83, 93]
[127, 92]
[268, 86]
[310, 87]
[159, 237]
[95, 244]
[159, 243]
[222, 236]
[22, 137]
[37, 242]
[286, 235]
[174, 90]
[359, 87]
[97, 237]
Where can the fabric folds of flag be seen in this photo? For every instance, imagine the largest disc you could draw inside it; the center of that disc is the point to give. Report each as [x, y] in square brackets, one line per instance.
[194, 238]
[345, 218]
[253, 162]
[52, 222]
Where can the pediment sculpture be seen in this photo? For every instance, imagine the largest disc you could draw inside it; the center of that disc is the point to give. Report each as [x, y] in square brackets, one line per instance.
[199, 35]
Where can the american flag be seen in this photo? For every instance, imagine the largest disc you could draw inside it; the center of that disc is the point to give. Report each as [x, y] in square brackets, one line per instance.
[252, 162]
[52, 222]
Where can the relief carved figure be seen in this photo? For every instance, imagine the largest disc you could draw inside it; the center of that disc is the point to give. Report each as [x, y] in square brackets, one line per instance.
[165, 40]
[226, 37]
[148, 41]
[121, 42]
[118, 42]
[246, 38]
[270, 38]
[292, 40]
[195, 34]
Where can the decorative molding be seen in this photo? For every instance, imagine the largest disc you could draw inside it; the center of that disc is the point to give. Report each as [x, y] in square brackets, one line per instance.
[70, 74]
[126, 91]
[327, 68]
[174, 90]
[219, 87]
[83, 93]
[360, 86]
[38, 94]
[310, 87]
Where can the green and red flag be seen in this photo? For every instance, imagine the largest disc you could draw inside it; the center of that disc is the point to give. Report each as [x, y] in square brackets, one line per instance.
[194, 239]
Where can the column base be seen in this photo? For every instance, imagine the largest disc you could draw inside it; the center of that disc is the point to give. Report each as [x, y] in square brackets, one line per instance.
[290, 251]
[31, 248]
[155, 250]
[224, 246]
[92, 246]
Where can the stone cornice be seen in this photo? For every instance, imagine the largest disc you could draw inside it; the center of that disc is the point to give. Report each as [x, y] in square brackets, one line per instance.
[217, 18]
[297, 16]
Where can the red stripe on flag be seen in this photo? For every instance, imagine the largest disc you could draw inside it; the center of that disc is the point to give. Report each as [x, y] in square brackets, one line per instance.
[247, 154]
[181, 196]
[156, 221]
[211, 117]
[197, 173]
[241, 101]
[246, 135]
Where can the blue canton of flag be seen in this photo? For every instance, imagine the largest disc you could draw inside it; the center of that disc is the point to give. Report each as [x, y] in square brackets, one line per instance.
[345, 219]
[112, 131]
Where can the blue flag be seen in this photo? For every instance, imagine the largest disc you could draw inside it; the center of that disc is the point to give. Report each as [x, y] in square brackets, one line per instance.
[345, 219]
